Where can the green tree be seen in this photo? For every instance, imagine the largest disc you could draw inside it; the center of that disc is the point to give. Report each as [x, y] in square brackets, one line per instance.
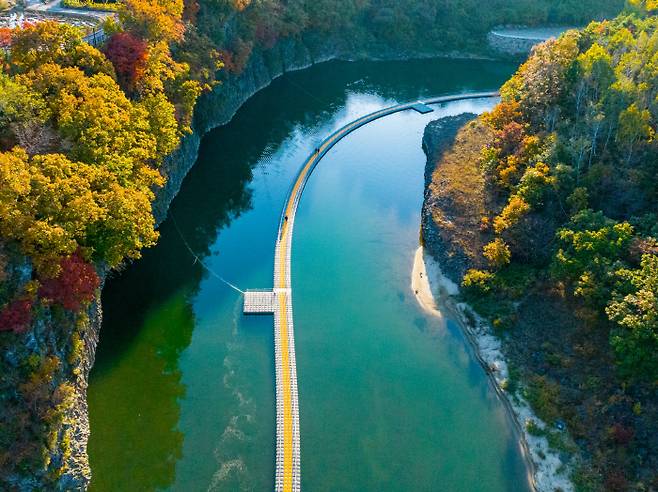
[591, 247]
[597, 73]
[634, 308]
[634, 126]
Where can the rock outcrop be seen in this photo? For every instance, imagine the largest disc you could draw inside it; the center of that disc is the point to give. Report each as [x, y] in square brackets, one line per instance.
[445, 211]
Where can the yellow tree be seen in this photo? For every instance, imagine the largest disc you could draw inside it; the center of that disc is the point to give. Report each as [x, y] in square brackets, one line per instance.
[649, 6]
[154, 20]
[97, 120]
[497, 253]
[52, 206]
[164, 74]
[52, 42]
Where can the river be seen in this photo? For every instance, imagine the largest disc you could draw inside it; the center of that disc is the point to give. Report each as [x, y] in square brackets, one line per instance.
[391, 399]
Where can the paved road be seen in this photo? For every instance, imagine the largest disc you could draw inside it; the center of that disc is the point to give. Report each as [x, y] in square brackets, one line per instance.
[56, 7]
[532, 33]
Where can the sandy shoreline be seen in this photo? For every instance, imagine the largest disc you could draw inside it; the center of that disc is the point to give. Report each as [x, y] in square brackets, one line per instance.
[435, 294]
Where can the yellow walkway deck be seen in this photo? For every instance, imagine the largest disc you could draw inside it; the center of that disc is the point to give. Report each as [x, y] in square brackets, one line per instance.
[288, 471]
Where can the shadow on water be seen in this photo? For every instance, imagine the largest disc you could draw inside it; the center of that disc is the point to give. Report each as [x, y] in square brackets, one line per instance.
[151, 309]
[148, 322]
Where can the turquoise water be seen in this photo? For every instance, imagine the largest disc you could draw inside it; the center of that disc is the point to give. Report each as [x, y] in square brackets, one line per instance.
[182, 394]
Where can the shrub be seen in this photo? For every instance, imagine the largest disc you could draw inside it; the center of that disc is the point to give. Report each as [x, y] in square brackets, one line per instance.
[16, 316]
[497, 253]
[511, 214]
[516, 280]
[533, 429]
[478, 281]
[544, 396]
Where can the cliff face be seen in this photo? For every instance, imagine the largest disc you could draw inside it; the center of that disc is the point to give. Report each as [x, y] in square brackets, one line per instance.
[219, 106]
[213, 109]
[515, 47]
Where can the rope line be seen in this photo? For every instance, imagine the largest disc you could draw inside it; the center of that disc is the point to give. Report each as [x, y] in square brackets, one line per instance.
[303, 89]
[199, 260]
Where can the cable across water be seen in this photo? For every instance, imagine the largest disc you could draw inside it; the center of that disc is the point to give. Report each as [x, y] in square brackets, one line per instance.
[197, 259]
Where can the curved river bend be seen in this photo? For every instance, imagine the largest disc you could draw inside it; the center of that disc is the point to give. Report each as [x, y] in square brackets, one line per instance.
[182, 394]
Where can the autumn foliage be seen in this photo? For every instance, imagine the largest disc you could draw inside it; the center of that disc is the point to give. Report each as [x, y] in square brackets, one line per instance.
[16, 316]
[128, 55]
[5, 37]
[74, 286]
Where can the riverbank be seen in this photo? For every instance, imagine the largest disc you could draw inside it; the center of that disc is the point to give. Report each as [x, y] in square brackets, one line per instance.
[437, 295]
[447, 219]
[566, 347]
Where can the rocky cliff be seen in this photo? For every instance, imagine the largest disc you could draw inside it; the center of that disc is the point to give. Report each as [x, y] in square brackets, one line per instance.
[449, 222]
[517, 42]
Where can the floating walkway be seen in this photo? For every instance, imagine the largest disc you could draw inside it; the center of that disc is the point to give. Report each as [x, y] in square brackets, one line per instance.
[279, 300]
[259, 302]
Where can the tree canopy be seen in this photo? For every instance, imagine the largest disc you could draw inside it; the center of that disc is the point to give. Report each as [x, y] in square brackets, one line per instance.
[574, 156]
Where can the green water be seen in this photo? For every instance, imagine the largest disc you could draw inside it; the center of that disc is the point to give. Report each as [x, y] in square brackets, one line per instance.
[182, 393]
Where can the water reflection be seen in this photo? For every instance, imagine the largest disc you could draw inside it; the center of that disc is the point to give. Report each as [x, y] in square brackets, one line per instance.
[148, 322]
[181, 396]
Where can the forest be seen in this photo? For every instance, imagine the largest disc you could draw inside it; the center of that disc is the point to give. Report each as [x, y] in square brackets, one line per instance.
[84, 132]
[76, 121]
[564, 264]
[571, 165]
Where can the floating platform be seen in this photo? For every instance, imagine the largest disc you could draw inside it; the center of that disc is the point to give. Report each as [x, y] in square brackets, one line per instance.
[259, 302]
[279, 302]
[421, 108]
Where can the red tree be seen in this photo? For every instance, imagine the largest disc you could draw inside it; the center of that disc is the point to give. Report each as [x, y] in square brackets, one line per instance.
[266, 34]
[75, 284]
[128, 55]
[621, 434]
[5, 37]
[508, 140]
[16, 316]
